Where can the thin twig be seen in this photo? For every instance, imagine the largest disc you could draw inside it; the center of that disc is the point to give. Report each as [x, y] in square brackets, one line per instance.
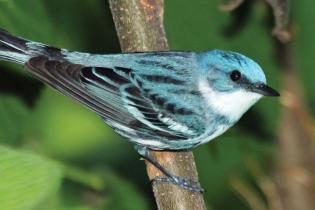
[266, 185]
[296, 159]
[139, 24]
[281, 14]
[252, 198]
[280, 10]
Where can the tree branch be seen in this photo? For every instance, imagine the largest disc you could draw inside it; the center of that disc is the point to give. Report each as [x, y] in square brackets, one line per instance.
[295, 159]
[296, 156]
[139, 24]
[281, 15]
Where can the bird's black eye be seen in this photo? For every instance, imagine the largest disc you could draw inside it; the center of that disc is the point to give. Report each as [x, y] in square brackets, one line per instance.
[235, 75]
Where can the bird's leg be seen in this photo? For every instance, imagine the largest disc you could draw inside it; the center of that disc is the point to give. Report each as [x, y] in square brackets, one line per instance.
[184, 183]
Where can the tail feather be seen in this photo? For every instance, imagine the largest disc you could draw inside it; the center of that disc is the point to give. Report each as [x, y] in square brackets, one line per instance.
[13, 48]
[13, 42]
[19, 50]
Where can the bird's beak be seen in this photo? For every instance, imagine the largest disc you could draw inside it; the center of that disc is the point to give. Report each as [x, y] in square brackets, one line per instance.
[264, 89]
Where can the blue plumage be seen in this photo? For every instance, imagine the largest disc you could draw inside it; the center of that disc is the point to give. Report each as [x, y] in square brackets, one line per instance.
[157, 100]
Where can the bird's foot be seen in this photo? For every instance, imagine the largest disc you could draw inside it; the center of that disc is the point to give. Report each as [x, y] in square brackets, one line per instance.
[184, 183]
[169, 178]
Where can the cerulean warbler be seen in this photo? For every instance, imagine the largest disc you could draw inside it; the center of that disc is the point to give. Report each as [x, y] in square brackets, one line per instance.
[157, 100]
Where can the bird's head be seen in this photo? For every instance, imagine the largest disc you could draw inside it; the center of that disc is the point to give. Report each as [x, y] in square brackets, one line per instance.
[233, 82]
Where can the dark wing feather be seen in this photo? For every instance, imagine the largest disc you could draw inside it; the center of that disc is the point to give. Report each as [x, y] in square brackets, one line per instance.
[123, 83]
[114, 94]
[65, 77]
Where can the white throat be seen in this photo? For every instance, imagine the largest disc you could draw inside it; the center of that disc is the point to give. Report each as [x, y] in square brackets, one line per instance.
[232, 105]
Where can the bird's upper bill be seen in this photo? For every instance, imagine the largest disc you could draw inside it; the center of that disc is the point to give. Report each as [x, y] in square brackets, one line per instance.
[264, 89]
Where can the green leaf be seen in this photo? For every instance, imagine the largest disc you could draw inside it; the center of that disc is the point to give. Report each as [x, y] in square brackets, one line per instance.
[26, 180]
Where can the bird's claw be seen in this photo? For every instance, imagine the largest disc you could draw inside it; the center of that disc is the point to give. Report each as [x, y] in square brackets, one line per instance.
[184, 183]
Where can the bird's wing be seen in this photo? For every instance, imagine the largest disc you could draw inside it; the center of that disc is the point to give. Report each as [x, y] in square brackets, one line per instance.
[140, 106]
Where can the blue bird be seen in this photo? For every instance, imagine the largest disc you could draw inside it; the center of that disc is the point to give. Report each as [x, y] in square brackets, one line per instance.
[157, 100]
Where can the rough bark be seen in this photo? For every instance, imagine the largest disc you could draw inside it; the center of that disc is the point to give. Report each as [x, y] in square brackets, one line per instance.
[139, 24]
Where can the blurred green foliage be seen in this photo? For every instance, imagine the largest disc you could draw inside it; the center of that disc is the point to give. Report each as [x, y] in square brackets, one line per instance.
[94, 168]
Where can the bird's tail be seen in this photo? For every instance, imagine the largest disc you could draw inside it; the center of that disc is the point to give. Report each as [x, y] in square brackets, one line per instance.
[16, 49]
